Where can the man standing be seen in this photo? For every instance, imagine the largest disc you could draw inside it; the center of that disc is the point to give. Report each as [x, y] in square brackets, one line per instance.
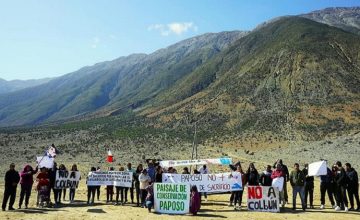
[340, 180]
[353, 186]
[326, 185]
[130, 169]
[265, 177]
[297, 181]
[204, 170]
[309, 187]
[12, 178]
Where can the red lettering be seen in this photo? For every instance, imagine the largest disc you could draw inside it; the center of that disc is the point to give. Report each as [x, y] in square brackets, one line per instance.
[254, 192]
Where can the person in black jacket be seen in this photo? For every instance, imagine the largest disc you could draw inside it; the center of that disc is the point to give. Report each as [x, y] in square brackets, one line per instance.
[309, 186]
[340, 180]
[353, 186]
[326, 185]
[252, 175]
[265, 177]
[52, 178]
[12, 178]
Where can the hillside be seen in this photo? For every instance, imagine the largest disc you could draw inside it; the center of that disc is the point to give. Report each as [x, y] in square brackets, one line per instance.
[121, 83]
[14, 85]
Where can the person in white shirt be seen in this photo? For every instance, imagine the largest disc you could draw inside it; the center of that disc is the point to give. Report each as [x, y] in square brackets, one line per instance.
[204, 170]
[144, 180]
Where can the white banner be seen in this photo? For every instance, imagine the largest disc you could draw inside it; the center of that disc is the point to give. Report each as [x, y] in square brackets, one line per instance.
[263, 199]
[317, 168]
[45, 161]
[221, 182]
[174, 163]
[171, 198]
[115, 178]
[67, 179]
[278, 183]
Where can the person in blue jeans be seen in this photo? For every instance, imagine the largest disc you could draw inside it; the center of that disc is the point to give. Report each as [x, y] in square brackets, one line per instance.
[297, 181]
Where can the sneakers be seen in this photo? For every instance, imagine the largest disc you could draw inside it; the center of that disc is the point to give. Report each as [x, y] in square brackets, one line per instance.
[322, 207]
[346, 209]
[337, 208]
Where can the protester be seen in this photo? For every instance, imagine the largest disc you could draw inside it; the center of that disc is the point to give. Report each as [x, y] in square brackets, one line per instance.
[204, 170]
[97, 188]
[236, 196]
[120, 190]
[131, 189]
[252, 175]
[265, 177]
[279, 173]
[326, 182]
[309, 187]
[52, 178]
[151, 170]
[297, 181]
[62, 168]
[91, 190]
[158, 174]
[340, 180]
[185, 170]
[72, 190]
[109, 190]
[137, 173]
[145, 180]
[43, 187]
[149, 201]
[58, 192]
[26, 183]
[12, 178]
[353, 186]
[286, 177]
[195, 200]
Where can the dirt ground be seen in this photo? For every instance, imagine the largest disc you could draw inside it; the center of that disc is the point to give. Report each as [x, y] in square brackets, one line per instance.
[215, 208]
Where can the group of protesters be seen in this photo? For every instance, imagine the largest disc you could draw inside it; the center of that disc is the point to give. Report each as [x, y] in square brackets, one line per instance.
[340, 183]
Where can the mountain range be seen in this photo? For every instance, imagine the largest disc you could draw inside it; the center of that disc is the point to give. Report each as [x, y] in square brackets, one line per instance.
[14, 85]
[293, 75]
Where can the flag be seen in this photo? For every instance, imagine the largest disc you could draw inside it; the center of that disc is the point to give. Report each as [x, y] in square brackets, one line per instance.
[51, 151]
[110, 157]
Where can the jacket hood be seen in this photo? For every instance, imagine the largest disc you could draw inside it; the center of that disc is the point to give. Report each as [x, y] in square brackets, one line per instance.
[26, 166]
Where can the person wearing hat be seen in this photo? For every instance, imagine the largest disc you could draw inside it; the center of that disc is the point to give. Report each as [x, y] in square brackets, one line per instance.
[144, 180]
[12, 178]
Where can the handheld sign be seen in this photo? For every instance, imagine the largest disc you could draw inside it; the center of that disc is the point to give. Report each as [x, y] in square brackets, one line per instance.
[174, 163]
[114, 178]
[171, 198]
[211, 183]
[263, 199]
[278, 183]
[67, 179]
[317, 168]
[45, 161]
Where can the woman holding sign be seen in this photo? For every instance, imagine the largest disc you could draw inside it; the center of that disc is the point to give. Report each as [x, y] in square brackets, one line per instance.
[72, 190]
[121, 190]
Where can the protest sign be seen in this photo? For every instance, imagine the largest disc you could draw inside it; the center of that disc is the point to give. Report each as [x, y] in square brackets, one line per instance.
[278, 183]
[67, 179]
[221, 182]
[171, 198]
[174, 163]
[263, 199]
[115, 178]
[317, 168]
[45, 161]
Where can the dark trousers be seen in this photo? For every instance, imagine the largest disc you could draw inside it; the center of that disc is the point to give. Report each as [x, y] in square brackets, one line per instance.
[143, 197]
[98, 192]
[286, 197]
[236, 197]
[326, 187]
[64, 193]
[57, 195]
[72, 194]
[91, 194]
[131, 189]
[25, 193]
[109, 193]
[120, 190]
[353, 191]
[309, 193]
[138, 194]
[341, 198]
[10, 192]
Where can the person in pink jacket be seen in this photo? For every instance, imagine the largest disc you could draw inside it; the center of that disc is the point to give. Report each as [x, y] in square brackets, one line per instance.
[277, 173]
[26, 183]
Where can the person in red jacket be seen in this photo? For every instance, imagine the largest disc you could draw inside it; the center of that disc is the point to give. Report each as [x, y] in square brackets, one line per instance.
[26, 183]
[278, 173]
[43, 188]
